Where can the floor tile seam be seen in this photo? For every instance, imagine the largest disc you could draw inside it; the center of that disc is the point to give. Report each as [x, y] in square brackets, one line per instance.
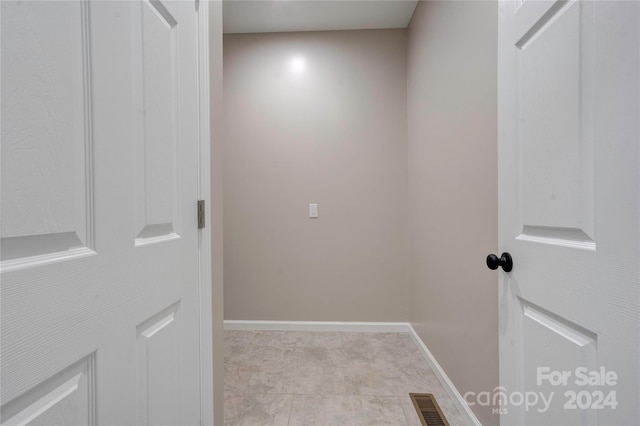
[313, 394]
[393, 393]
[290, 409]
[266, 393]
[371, 394]
[314, 364]
[401, 394]
[294, 395]
[407, 415]
[388, 397]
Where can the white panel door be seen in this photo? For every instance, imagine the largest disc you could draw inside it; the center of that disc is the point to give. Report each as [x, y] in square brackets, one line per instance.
[569, 188]
[99, 259]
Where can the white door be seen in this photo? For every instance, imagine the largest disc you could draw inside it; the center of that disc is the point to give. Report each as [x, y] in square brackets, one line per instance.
[569, 188]
[99, 231]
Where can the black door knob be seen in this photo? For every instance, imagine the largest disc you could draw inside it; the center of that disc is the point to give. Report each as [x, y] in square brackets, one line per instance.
[505, 261]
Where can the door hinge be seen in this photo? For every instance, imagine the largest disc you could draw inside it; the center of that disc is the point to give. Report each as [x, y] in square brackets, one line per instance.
[201, 212]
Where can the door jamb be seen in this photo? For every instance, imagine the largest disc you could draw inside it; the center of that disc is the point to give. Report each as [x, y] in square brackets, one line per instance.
[204, 235]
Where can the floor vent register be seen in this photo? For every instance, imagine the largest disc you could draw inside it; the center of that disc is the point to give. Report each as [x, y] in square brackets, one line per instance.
[428, 409]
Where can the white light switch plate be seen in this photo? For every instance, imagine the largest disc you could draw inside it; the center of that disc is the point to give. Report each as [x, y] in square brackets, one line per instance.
[313, 211]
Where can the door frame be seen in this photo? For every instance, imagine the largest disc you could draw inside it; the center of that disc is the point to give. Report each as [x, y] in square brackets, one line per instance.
[204, 235]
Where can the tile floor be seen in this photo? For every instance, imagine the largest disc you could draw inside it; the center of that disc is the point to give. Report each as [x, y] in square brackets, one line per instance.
[323, 378]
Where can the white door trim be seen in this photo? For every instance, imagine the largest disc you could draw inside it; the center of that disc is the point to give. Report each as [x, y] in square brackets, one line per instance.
[204, 235]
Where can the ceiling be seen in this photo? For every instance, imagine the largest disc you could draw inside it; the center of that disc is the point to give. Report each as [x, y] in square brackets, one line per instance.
[259, 16]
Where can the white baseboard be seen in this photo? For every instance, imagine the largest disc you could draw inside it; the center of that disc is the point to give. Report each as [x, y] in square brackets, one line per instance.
[378, 327]
[372, 327]
[447, 384]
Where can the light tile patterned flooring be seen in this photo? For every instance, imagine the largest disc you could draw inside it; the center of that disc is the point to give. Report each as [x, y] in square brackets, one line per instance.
[326, 378]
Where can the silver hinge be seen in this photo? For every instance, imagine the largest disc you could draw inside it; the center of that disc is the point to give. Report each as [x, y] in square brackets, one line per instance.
[201, 212]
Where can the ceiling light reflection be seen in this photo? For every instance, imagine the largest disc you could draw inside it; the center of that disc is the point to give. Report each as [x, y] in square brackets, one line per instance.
[298, 65]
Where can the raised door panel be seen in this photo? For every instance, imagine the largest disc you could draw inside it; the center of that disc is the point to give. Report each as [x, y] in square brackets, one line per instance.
[65, 399]
[159, 373]
[156, 117]
[554, 128]
[46, 133]
[553, 350]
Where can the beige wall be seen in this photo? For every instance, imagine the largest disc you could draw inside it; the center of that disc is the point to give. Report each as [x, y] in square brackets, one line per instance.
[215, 216]
[334, 134]
[337, 135]
[452, 145]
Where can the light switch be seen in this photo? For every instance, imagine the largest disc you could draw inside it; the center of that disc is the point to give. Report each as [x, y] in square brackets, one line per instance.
[313, 211]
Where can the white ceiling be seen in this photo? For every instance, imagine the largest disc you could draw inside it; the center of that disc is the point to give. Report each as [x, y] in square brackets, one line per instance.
[259, 16]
